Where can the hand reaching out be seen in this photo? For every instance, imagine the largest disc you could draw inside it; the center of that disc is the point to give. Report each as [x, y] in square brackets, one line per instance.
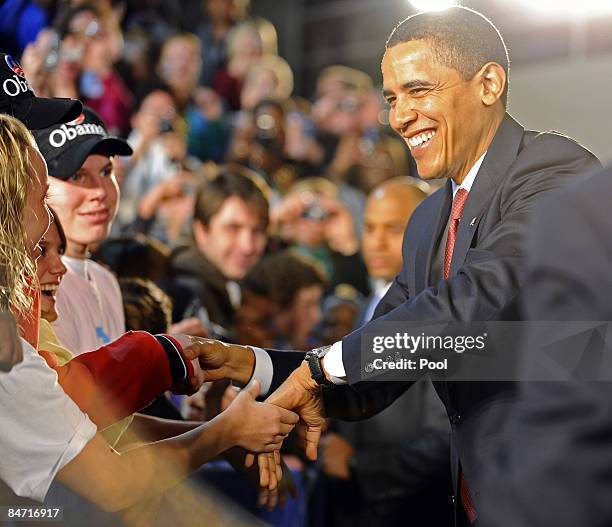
[267, 497]
[339, 227]
[194, 383]
[190, 326]
[257, 427]
[336, 453]
[220, 360]
[301, 394]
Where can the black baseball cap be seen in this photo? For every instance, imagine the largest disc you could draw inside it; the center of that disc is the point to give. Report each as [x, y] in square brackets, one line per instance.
[65, 147]
[18, 99]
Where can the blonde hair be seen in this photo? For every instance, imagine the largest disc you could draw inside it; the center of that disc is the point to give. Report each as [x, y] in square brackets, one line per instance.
[17, 269]
[280, 69]
[350, 78]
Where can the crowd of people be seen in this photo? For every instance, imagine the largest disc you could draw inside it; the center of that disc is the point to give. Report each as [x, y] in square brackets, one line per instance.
[165, 242]
[194, 194]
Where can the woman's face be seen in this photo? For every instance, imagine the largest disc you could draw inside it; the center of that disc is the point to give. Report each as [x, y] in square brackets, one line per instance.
[36, 215]
[50, 270]
[86, 203]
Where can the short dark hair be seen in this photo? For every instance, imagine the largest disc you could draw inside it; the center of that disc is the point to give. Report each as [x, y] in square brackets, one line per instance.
[230, 181]
[281, 275]
[125, 255]
[146, 306]
[461, 38]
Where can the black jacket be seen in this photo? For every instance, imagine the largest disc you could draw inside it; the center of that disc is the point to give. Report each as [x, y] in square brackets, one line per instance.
[196, 282]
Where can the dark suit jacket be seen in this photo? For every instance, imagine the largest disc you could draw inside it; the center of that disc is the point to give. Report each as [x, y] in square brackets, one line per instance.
[401, 473]
[555, 464]
[401, 470]
[487, 272]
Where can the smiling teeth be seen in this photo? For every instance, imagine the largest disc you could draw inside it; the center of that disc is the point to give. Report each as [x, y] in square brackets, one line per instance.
[417, 140]
[51, 288]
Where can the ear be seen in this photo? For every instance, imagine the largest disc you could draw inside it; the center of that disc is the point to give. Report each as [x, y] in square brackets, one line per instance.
[493, 81]
[200, 233]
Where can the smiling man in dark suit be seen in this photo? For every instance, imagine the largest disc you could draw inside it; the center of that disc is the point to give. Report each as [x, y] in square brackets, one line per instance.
[445, 77]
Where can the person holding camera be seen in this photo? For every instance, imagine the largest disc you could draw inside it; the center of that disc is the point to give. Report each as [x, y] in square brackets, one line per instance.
[314, 221]
[157, 187]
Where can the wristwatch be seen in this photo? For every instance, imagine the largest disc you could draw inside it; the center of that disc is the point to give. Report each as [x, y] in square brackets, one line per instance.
[313, 358]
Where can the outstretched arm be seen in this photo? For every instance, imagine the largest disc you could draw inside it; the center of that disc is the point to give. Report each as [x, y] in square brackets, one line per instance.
[116, 481]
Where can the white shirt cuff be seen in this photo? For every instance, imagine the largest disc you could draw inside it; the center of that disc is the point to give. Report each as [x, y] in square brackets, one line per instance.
[263, 371]
[332, 363]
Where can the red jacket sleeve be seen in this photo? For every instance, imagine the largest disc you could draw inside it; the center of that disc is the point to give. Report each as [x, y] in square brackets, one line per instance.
[118, 379]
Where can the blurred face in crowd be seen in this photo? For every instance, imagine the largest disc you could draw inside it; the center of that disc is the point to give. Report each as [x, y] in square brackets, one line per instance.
[89, 30]
[258, 86]
[374, 168]
[440, 116]
[156, 107]
[253, 321]
[86, 203]
[50, 271]
[338, 111]
[85, 24]
[339, 322]
[298, 320]
[72, 52]
[247, 43]
[179, 64]
[244, 50]
[36, 214]
[386, 215]
[234, 239]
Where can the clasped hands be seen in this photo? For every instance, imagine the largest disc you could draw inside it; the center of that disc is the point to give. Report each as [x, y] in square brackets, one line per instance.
[298, 393]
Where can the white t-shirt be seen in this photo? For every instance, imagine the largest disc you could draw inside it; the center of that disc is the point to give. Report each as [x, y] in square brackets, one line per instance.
[89, 306]
[41, 430]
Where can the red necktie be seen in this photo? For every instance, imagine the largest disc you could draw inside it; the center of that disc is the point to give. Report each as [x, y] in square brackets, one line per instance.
[456, 211]
[455, 216]
[466, 499]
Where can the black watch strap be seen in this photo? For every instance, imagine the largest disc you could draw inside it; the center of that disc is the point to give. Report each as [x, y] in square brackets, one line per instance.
[313, 358]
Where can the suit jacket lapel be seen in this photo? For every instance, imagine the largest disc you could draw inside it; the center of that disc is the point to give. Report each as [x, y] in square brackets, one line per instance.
[432, 232]
[500, 156]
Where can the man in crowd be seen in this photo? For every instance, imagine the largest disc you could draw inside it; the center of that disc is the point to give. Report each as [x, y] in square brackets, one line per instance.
[294, 285]
[445, 78]
[229, 228]
[388, 209]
